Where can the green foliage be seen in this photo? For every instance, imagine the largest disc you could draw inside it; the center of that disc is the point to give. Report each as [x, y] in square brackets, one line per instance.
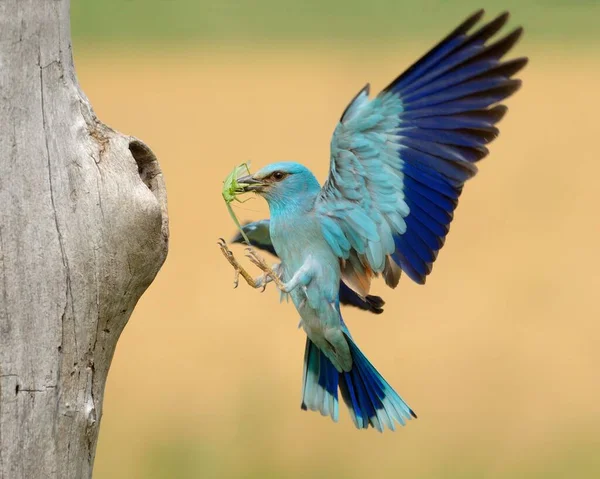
[187, 458]
[271, 22]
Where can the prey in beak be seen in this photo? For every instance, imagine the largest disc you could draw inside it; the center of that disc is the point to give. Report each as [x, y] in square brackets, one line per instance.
[236, 185]
[248, 184]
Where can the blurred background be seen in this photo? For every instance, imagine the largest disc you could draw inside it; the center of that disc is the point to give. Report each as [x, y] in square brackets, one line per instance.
[499, 354]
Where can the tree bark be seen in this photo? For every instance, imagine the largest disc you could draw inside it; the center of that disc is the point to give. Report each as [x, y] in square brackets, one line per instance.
[83, 232]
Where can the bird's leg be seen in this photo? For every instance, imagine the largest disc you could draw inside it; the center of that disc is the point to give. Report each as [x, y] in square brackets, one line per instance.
[302, 277]
[260, 282]
[269, 274]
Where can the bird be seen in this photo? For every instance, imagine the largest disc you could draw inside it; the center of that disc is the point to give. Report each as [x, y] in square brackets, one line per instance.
[398, 164]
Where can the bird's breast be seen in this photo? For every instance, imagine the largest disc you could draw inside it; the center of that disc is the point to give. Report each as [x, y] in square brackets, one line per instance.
[295, 239]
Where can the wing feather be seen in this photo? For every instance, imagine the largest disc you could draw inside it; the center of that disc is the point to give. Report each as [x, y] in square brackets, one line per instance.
[400, 160]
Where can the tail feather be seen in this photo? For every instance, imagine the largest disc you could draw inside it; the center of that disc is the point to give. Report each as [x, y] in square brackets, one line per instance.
[369, 398]
[384, 406]
[369, 404]
[320, 383]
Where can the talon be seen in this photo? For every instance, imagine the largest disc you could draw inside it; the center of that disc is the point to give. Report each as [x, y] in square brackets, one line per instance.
[262, 265]
[264, 279]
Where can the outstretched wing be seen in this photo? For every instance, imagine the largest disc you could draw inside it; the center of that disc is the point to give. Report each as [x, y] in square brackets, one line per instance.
[259, 235]
[399, 161]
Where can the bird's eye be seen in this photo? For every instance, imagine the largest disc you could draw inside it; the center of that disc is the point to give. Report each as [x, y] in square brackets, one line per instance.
[278, 175]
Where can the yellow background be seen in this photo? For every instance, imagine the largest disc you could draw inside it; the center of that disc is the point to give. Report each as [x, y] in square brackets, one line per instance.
[498, 354]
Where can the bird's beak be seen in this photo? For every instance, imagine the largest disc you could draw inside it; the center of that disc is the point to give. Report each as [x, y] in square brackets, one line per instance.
[248, 183]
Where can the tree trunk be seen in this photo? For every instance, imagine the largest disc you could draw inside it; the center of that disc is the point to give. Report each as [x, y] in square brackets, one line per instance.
[83, 232]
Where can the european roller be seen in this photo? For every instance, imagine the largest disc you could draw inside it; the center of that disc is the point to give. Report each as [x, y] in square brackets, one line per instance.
[397, 168]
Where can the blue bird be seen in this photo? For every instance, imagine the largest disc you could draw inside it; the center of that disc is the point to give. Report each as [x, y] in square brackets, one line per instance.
[398, 165]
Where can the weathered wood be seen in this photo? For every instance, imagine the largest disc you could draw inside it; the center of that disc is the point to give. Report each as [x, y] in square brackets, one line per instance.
[83, 232]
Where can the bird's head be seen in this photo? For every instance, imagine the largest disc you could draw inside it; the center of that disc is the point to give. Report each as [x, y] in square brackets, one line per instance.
[281, 182]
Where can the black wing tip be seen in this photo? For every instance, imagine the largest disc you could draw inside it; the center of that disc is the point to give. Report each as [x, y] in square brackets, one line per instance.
[496, 24]
[505, 15]
[499, 111]
[487, 31]
[492, 28]
[514, 66]
[470, 21]
[517, 33]
[375, 303]
[412, 413]
[506, 43]
[501, 19]
[238, 238]
[518, 64]
[477, 15]
[375, 300]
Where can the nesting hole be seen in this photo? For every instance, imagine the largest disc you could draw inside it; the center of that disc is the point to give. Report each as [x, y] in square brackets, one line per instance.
[147, 163]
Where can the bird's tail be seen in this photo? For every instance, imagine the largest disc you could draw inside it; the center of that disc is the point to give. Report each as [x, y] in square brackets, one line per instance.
[370, 399]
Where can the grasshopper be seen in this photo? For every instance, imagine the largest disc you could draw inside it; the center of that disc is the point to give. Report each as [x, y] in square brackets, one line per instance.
[231, 190]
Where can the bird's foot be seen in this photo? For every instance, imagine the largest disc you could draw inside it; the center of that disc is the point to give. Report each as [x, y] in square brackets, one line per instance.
[261, 264]
[239, 270]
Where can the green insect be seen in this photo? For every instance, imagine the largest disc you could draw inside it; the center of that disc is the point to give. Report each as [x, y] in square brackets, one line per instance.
[232, 189]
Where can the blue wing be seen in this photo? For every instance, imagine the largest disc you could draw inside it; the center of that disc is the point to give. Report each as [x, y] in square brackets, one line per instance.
[260, 237]
[399, 161]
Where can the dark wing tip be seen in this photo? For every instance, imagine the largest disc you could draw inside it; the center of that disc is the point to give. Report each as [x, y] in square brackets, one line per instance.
[490, 29]
[376, 303]
[238, 238]
[517, 33]
[505, 15]
[501, 19]
[497, 112]
[511, 67]
[462, 29]
[468, 23]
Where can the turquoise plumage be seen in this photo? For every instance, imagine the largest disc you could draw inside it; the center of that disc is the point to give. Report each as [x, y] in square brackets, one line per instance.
[398, 165]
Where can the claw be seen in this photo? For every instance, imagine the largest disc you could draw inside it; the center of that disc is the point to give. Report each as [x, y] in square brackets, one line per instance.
[238, 270]
[264, 281]
[261, 264]
[232, 261]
